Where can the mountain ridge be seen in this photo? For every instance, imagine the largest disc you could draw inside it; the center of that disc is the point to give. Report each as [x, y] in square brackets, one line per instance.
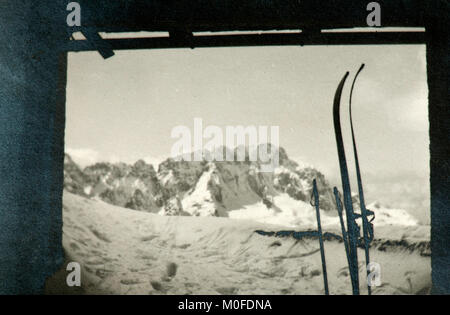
[234, 189]
[222, 186]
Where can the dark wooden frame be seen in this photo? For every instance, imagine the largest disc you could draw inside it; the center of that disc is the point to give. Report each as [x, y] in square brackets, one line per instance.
[33, 60]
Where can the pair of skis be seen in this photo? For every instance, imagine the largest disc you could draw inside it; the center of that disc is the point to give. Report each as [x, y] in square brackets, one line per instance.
[351, 236]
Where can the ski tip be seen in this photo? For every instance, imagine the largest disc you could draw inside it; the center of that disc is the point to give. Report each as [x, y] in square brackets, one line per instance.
[345, 76]
[362, 67]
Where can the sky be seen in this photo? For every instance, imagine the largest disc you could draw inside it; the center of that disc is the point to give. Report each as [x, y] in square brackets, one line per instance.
[124, 108]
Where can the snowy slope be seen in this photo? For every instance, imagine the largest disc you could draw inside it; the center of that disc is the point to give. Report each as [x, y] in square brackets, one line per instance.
[122, 251]
[389, 216]
[299, 214]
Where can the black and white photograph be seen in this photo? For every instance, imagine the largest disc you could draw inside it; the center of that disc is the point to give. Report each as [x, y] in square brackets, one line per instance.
[224, 155]
[150, 208]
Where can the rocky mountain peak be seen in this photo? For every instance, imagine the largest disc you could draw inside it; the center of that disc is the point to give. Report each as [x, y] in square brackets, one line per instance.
[197, 187]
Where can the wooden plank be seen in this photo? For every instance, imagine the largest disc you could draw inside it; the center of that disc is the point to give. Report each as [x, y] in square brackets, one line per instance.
[283, 39]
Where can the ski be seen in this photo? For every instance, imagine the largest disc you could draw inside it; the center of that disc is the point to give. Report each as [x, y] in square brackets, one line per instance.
[352, 228]
[319, 232]
[341, 220]
[367, 226]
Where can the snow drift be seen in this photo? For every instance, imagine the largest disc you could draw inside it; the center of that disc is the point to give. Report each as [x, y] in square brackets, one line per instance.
[122, 251]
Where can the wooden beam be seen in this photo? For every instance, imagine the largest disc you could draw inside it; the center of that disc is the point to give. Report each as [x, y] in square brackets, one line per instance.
[281, 39]
[438, 73]
[32, 111]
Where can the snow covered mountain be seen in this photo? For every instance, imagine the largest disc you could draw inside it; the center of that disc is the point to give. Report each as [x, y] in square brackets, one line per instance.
[131, 186]
[223, 189]
[210, 213]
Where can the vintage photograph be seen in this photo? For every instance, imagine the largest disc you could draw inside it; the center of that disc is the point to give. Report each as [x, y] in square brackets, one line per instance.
[243, 170]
